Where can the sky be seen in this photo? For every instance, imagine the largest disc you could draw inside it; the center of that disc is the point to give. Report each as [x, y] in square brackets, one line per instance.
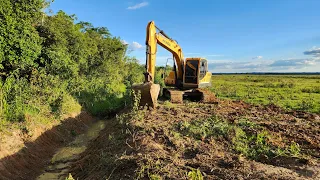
[234, 36]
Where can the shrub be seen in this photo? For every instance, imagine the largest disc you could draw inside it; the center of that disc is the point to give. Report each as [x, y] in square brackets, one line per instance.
[195, 174]
[201, 129]
[306, 104]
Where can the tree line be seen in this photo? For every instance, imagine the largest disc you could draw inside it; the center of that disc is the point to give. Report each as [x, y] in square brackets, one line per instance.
[51, 64]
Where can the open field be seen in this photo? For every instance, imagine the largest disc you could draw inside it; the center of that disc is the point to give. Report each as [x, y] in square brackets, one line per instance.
[298, 92]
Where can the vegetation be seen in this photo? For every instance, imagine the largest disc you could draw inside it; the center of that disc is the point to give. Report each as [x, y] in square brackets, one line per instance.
[201, 141]
[50, 65]
[291, 92]
[246, 137]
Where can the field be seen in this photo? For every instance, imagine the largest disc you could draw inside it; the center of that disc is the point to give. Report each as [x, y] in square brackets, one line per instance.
[244, 134]
[298, 92]
[228, 140]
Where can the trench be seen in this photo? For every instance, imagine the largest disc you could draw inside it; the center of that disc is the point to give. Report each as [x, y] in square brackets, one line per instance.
[58, 167]
[52, 153]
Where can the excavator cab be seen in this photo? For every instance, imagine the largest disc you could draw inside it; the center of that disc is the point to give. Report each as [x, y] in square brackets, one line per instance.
[196, 74]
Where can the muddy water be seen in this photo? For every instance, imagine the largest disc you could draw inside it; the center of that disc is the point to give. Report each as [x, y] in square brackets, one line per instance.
[61, 161]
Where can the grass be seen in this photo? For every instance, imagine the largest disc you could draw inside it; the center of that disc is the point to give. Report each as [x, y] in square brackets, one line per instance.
[244, 137]
[290, 92]
[195, 174]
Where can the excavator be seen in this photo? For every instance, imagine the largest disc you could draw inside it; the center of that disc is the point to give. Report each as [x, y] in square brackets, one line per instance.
[189, 77]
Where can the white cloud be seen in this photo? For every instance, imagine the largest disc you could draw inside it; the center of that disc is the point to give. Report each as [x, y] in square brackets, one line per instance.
[235, 66]
[138, 6]
[282, 65]
[124, 42]
[314, 52]
[310, 62]
[134, 46]
[294, 63]
[257, 57]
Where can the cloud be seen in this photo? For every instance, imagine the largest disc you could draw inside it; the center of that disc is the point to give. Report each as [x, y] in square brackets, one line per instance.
[311, 64]
[294, 63]
[124, 42]
[258, 57]
[283, 65]
[238, 65]
[134, 46]
[138, 6]
[314, 51]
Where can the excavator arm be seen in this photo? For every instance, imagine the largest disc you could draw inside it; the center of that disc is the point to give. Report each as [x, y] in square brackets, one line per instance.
[154, 37]
[150, 91]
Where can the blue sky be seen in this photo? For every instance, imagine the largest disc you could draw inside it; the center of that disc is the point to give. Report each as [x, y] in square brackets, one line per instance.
[235, 36]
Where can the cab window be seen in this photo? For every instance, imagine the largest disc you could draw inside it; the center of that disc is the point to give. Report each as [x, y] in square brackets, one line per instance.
[203, 68]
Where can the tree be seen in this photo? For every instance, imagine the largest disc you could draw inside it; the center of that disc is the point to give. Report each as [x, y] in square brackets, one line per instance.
[20, 43]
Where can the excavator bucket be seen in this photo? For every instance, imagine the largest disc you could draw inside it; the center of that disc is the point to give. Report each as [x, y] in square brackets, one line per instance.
[149, 93]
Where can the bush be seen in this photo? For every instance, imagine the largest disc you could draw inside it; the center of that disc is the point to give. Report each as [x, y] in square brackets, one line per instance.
[52, 66]
[306, 104]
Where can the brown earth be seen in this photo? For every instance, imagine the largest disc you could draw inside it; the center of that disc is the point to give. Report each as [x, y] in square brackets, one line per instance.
[147, 145]
[30, 161]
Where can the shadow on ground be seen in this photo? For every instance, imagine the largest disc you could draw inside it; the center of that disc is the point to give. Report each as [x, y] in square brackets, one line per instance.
[31, 161]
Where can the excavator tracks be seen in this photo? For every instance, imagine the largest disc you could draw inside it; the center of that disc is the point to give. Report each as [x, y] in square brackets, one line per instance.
[200, 95]
[176, 96]
[207, 96]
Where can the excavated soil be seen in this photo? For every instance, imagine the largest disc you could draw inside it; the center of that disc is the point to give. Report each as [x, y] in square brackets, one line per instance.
[147, 144]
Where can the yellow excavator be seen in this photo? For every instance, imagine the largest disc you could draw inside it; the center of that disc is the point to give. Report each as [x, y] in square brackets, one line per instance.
[189, 76]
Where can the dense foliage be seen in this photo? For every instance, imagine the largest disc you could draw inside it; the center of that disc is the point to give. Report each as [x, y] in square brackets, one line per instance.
[51, 65]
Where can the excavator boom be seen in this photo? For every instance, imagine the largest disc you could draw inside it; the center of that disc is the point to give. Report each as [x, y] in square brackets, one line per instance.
[153, 39]
[150, 91]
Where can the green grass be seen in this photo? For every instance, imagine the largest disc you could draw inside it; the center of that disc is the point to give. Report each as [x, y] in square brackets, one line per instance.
[297, 92]
[244, 137]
